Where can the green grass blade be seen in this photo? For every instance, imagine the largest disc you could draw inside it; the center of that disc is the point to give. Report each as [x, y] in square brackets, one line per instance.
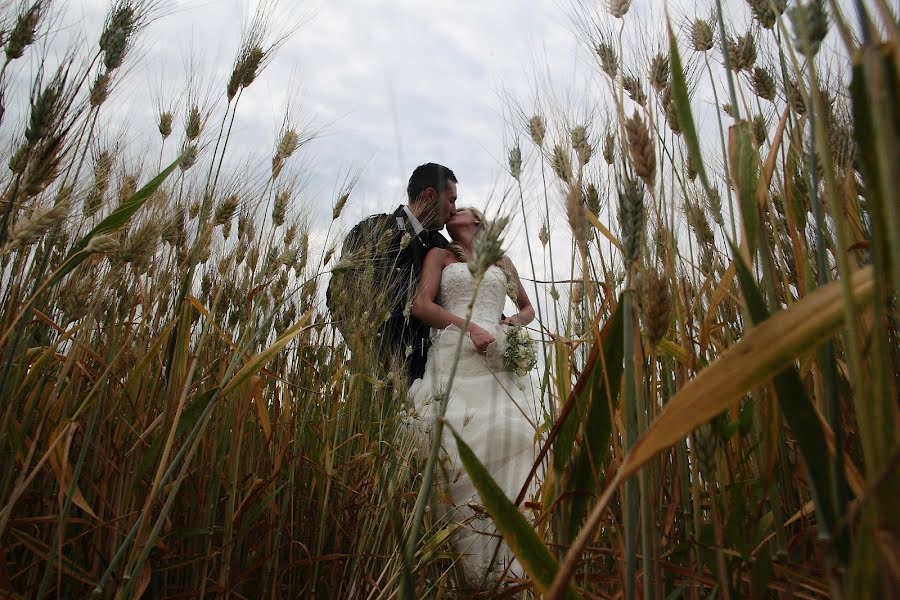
[518, 534]
[261, 358]
[565, 439]
[683, 109]
[194, 409]
[743, 158]
[873, 162]
[800, 415]
[598, 423]
[111, 223]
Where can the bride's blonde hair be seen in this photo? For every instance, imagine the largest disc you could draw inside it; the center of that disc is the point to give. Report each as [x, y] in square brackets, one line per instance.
[504, 263]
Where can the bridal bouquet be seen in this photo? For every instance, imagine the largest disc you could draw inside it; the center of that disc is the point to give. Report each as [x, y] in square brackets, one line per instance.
[515, 352]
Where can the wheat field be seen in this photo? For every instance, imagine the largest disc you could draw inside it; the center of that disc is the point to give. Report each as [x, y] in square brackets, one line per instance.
[720, 358]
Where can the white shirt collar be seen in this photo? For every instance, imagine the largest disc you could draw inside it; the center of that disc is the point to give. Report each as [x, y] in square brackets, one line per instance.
[417, 226]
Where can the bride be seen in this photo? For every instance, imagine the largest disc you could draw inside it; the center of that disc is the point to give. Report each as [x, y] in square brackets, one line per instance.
[494, 411]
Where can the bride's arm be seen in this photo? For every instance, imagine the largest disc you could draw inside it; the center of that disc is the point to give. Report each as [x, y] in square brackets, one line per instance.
[526, 311]
[425, 309]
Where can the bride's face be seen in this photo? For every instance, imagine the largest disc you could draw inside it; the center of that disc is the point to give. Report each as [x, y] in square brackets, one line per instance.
[463, 220]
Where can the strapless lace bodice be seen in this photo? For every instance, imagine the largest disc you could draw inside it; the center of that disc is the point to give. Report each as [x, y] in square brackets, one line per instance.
[455, 293]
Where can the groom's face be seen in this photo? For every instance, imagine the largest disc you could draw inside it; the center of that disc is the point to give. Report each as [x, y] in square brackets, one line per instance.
[447, 203]
[439, 206]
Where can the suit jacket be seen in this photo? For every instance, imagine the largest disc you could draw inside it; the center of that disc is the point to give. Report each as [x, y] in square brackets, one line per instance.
[382, 260]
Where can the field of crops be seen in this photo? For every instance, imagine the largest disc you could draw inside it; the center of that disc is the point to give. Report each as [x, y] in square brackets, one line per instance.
[720, 359]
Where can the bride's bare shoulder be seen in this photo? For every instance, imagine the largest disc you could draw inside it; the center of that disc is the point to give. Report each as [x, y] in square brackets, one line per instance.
[440, 256]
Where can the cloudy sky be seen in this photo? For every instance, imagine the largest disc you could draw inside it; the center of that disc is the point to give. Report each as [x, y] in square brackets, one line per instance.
[389, 84]
[385, 84]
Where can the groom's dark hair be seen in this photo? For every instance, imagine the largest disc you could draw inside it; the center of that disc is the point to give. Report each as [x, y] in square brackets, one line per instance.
[429, 175]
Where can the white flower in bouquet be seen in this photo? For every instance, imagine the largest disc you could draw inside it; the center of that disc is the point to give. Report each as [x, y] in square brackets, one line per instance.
[514, 352]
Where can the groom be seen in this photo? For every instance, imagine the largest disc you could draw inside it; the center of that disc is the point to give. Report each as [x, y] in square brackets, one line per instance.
[381, 260]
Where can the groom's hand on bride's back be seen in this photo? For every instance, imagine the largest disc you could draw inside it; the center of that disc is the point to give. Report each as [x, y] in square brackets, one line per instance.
[481, 339]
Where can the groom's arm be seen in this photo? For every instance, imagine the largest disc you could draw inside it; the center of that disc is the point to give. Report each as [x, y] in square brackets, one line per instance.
[359, 283]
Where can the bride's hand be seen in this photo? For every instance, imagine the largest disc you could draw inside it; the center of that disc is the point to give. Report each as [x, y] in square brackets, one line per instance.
[480, 338]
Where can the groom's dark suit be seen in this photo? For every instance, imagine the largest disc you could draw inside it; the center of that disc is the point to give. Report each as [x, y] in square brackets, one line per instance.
[383, 255]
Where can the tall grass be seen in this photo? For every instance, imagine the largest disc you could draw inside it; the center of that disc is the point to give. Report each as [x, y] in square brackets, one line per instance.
[180, 419]
[173, 415]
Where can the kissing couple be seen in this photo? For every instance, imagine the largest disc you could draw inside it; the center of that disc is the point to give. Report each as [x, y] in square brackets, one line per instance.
[401, 262]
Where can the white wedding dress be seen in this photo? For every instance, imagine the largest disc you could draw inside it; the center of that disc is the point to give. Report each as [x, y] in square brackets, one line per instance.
[494, 411]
